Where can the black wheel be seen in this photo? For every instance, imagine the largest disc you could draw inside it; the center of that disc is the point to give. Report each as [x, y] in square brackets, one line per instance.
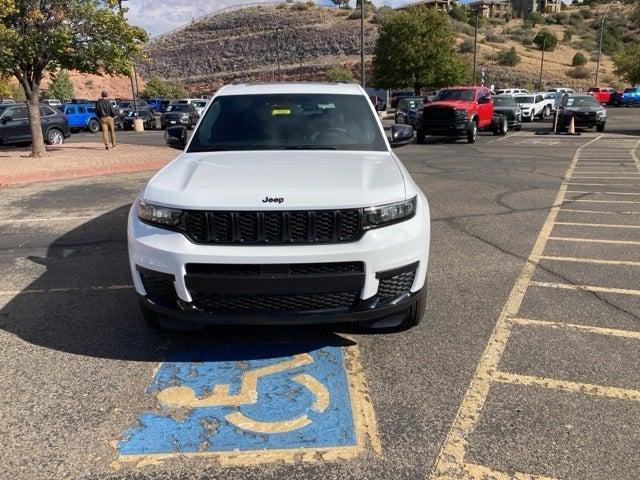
[631, 103]
[420, 136]
[165, 324]
[54, 137]
[472, 132]
[415, 314]
[93, 126]
[518, 128]
[401, 120]
[600, 127]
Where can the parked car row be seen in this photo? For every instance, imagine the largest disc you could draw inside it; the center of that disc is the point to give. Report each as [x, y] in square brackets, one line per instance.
[15, 128]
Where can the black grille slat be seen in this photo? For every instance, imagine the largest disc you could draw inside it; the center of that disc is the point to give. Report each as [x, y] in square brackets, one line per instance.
[274, 227]
[292, 269]
[276, 303]
[159, 290]
[391, 287]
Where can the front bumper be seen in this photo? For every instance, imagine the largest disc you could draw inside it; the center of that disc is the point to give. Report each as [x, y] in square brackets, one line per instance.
[452, 128]
[172, 122]
[382, 253]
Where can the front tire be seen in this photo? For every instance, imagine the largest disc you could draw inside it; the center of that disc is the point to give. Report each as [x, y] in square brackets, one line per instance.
[401, 120]
[420, 137]
[631, 103]
[472, 132]
[600, 127]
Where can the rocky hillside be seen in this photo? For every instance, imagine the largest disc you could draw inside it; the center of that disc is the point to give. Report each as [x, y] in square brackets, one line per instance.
[241, 46]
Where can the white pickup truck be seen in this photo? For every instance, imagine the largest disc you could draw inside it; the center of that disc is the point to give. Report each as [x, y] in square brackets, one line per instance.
[535, 105]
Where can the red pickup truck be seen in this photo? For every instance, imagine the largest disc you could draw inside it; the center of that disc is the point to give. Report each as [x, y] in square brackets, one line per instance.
[603, 95]
[460, 112]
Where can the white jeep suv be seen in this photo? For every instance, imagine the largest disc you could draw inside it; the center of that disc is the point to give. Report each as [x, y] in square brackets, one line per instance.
[287, 206]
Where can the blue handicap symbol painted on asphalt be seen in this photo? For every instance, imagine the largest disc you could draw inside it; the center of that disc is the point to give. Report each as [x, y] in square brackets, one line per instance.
[246, 398]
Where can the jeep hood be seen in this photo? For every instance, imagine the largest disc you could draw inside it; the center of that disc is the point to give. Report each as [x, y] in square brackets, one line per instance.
[304, 179]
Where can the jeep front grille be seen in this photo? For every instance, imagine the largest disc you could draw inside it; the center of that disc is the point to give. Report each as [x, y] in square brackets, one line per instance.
[287, 227]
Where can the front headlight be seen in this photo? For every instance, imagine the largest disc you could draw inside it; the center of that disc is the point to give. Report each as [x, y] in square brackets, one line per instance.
[461, 113]
[185, 118]
[388, 214]
[602, 113]
[161, 216]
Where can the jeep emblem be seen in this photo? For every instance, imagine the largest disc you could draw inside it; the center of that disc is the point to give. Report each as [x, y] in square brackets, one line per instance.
[273, 200]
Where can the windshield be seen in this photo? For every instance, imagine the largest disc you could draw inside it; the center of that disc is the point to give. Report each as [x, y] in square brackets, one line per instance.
[178, 108]
[580, 102]
[521, 100]
[629, 90]
[465, 95]
[504, 101]
[200, 104]
[288, 122]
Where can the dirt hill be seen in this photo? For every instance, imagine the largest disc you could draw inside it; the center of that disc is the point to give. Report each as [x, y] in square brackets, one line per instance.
[241, 46]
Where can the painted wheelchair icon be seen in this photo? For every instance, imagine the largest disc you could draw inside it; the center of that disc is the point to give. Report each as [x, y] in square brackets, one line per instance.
[269, 398]
[248, 395]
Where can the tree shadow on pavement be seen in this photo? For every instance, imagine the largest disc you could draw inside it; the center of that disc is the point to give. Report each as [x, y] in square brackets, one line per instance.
[84, 304]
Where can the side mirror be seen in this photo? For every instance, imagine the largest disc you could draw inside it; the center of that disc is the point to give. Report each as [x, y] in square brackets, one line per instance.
[176, 137]
[484, 100]
[401, 135]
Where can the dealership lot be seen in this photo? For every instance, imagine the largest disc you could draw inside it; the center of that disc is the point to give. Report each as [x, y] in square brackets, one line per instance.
[526, 365]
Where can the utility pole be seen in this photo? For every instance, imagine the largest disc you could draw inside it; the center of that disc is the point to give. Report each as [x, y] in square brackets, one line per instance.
[475, 48]
[362, 79]
[600, 43]
[278, 49]
[544, 47]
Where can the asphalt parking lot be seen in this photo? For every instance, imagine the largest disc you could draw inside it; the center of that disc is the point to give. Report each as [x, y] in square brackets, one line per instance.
[526, 365]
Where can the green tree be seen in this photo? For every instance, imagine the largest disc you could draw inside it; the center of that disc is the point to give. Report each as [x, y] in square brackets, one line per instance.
[61, 86]
[534, 19]
[579, 59]
[459, 12]
[339, 73]
[627, 63]
[509, 57]
[89, 36]
[341, 3]
[5, 87]
[416, 48]
[567, 35]
[547, 40]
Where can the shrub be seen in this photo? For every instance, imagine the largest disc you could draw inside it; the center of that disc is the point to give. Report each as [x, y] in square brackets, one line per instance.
[299, 6]
[576, 19]
[509, 57]
[585, 12]
[546, 39]
[579, 72]
[466, 46]
[593, 57]
[493, 38]
[527, 41]
[281, 6]
[460, 13]
[560, 18]
[461, 27]
[583, 45]
[579, 59]
[495, 21]
[338, 73]
[534, 19]
[567, 35]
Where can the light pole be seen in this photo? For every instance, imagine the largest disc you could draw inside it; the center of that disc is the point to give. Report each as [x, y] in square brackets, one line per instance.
[544, 47]
[606, 12]
[133, 71]
[362, 80]
[475, 48]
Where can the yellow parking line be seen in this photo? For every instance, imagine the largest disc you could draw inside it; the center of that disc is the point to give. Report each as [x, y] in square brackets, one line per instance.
[594, 240]
[573, 210]
[585, 288]
[617, 177]
[590, 260]
[450, 461]
[603, 225]
[567, 386]
[600, 201]
[613, 332]
[606, 193]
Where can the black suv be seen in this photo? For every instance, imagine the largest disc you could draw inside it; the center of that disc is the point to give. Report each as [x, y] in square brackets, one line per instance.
[14, 125]
[146, 115]
[179, 114]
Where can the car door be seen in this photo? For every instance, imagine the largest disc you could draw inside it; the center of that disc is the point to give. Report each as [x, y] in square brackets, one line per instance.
[74, 117]
[15, 125]
[485, 110]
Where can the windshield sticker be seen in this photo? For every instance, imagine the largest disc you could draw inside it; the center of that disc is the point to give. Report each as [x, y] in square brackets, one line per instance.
[280, 111]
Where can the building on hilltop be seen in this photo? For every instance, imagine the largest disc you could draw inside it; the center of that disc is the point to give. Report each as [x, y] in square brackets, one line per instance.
[442, 5]
[523, 8]
[490, 8]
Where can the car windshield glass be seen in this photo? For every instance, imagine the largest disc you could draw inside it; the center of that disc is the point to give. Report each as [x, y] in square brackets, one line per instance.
[414, 102]
[3, 108]
[505, 101]
[521, 100]
[629, 90]
[200, 104]
[178, 108]
[465, 95]
[579, 102]
[288, 122]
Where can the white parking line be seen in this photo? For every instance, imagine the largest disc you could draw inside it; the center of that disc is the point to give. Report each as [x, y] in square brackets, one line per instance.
[53, 219]
[599, 225]
[590, 260]
[585, 288]
[594, 240]
[64, 290]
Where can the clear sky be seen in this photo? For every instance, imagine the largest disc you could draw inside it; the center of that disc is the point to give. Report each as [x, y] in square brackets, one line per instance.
[159, 16]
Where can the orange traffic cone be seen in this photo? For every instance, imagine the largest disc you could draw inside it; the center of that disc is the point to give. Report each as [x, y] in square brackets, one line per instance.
[572, 126]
